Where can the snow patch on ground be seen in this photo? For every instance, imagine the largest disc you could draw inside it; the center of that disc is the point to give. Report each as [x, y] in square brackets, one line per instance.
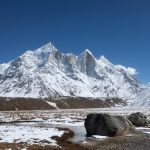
[66, 121]
[144, 129]
[147, 132]
[51, 104]
[31, 135]
[99, 137]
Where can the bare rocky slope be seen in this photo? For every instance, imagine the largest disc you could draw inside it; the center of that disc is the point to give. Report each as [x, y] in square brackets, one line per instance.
[9, 104]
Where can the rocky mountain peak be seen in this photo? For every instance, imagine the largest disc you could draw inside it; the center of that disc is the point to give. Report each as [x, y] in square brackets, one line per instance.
[87, 52]
[48, 48]
[46, 72]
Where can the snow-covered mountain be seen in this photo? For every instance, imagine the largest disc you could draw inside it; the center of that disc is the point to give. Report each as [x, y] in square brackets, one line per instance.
[46, 72]
[142, 98]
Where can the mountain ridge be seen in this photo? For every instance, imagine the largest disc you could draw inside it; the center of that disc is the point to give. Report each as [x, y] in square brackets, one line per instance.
[46, 72]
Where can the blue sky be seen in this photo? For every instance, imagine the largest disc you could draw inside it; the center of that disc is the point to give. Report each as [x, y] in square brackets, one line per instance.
[117, 29]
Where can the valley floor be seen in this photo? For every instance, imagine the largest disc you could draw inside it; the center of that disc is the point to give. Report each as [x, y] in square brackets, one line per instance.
[64, 129]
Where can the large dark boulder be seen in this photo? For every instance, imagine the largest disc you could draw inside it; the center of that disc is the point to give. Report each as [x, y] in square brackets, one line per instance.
[107, 125]
[138, 119]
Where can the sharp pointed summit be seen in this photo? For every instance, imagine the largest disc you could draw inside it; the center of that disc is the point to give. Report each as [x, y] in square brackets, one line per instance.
[47, 48]
[46, 72]
[87, 52]
[49, 44]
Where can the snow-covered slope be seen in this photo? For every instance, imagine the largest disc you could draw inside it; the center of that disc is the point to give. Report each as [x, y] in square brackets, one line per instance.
[46, 72]
[142, 98]
[3, 67]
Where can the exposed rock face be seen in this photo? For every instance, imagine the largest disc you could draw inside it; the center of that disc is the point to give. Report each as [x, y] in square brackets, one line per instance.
[138, 119]
[107, 125]
[46, 72]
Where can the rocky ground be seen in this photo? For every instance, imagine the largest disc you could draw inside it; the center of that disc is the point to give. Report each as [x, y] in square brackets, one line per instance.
[122, 143]
[8, 104]
[22, 130]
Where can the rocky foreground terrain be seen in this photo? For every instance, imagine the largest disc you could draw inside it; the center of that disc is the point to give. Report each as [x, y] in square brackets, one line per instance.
[64, 130]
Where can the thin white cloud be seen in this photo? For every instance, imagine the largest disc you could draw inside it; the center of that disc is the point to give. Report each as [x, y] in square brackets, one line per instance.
[129, 70]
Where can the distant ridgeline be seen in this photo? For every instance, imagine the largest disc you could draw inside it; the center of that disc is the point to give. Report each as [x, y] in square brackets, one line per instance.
[7, 104]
